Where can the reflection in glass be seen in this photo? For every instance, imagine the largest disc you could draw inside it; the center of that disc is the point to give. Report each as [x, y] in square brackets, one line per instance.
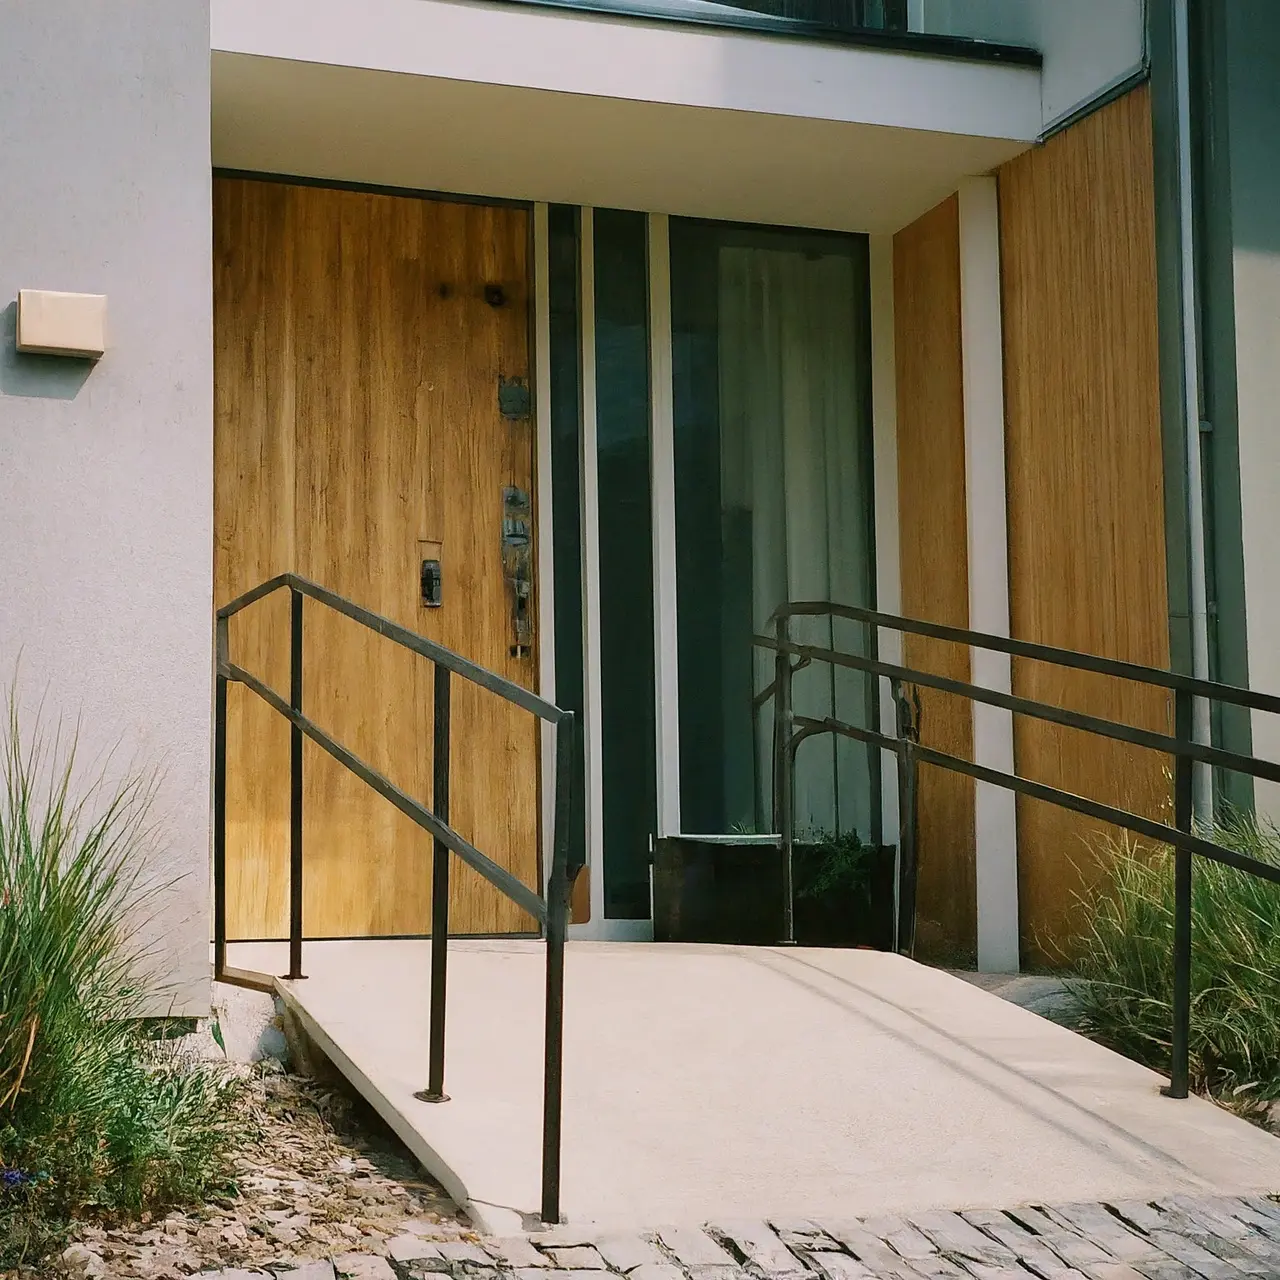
[773, 504]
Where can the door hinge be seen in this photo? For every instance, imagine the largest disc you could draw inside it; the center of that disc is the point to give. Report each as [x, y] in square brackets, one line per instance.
[513, 399]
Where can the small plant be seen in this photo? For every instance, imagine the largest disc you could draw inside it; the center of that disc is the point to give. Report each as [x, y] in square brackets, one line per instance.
[835, 863]
[1124, 964]
[98, 1113]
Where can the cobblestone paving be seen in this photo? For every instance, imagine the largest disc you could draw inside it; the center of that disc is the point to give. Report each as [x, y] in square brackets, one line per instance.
[1180, 1238]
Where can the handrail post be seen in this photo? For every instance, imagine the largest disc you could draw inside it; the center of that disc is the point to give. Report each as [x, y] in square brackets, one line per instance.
[557, 929]
[908, 815]
[784, 774]
[1183, 802]
[220, 801]
[439, 889]
[295, 787]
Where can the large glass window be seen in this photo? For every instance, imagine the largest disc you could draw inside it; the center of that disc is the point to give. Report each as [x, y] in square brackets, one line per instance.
[773, 504]
[626, 558]
[566, 494]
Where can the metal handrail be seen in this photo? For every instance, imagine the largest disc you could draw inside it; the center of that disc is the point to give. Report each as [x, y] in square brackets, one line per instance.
[551, 911]
[1135, 671]
[790, 730]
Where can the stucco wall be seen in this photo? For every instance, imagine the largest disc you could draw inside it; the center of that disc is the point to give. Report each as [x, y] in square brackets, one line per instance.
[106, 471]
[1253, 121]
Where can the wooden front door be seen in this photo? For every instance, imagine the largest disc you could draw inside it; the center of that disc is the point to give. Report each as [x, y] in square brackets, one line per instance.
[360, 340]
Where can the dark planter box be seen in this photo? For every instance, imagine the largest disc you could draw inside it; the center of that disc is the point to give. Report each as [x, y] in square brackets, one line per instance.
[717, 889]
[729, 889]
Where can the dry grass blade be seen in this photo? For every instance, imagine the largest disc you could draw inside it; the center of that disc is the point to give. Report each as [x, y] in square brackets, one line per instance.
[22, 1069]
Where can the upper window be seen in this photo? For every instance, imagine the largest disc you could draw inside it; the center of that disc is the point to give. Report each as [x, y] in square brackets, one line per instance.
[875, 22]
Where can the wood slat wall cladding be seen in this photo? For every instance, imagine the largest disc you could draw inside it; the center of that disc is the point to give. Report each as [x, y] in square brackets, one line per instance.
[1086, 508]
[356, 363]
[934, 557]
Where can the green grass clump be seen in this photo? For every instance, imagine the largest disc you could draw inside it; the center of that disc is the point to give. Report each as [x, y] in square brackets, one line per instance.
[1126, 969]
[98, 1117]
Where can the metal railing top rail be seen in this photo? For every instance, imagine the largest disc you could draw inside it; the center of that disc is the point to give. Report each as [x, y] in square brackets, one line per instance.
[550, 909]
[792, 729]
[1149, 738]
[1038, 652]
[406, 639]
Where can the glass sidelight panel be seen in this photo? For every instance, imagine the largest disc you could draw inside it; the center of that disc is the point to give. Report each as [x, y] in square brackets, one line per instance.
[771, 355]
[626, 558]
[566, 494]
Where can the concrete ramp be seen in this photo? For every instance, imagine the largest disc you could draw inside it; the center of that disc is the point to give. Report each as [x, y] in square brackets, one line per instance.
[709, 1082]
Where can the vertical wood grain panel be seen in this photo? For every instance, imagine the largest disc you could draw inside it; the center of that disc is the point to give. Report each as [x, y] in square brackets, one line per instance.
[934, 558]
[356, 368]
[254, 536]
[1086, 506]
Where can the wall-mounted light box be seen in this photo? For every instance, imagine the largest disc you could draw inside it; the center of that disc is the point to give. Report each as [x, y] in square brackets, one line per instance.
[62, 324]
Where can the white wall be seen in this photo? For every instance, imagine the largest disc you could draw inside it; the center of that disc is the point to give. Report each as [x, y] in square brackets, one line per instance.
[986, 510]
[106, 486]
[1089, 46]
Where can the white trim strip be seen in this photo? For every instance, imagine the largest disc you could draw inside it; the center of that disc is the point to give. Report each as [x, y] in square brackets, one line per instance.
[593, 715]
[995, 811]
[663, 481]
[884, 418]
[1201, 723]
[545, 526]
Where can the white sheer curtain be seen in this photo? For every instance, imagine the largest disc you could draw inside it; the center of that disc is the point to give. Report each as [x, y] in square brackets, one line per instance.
[791, 410]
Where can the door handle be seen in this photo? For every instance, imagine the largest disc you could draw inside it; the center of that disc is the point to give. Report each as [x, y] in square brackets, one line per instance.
[517, 566]
[432, 584]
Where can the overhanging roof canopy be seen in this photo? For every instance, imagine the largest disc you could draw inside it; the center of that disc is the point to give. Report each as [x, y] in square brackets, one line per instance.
[542, 104]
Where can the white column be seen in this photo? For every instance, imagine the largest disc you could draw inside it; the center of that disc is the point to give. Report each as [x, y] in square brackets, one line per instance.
[663, 481]
[884, 417]
[590, 489]
[995, 816]
[545, 546]
[1201, 724]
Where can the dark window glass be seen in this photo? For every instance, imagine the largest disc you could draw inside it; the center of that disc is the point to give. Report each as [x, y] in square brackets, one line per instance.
[773, 504]
[566, 496]
[840, 15]
[626, 558]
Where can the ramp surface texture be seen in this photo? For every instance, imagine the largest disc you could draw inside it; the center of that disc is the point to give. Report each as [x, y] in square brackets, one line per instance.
[709, 1083]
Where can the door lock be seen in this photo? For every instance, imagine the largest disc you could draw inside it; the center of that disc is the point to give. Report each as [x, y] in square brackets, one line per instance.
[430, 573]
[432, 584]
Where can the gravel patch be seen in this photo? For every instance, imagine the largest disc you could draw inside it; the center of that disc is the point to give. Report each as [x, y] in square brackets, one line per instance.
[321, 1179]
